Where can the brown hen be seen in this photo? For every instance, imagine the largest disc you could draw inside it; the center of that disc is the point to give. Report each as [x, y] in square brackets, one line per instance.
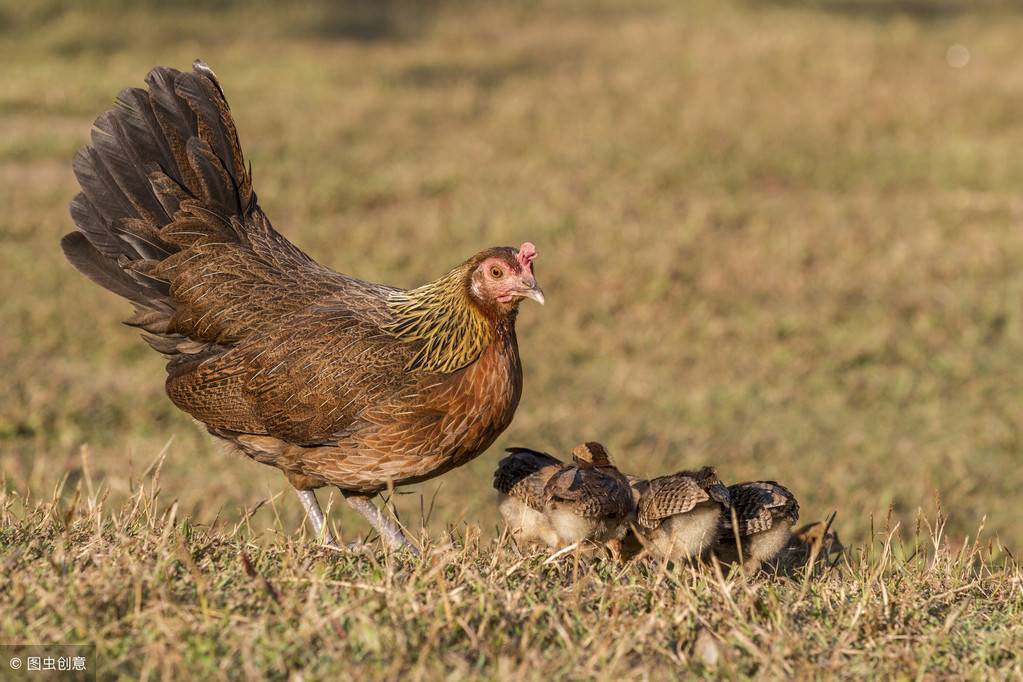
[333, 380]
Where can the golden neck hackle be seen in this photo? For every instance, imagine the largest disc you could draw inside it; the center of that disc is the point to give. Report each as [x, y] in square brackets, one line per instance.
[454, 329]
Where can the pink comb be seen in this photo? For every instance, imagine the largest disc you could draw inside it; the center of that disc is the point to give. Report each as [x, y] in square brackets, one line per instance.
[527, 252]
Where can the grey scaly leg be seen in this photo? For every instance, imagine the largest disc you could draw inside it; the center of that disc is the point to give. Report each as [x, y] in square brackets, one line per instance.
[389, 532]
[315, 515]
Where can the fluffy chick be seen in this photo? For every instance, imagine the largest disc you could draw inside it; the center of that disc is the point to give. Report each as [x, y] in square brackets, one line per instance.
[764, 513]
[817, 540]
[520, 480]
[680, 516]
[590, 500]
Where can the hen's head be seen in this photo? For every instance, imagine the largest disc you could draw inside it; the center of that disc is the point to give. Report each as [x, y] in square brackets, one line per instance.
[458, 316]
[503, 276]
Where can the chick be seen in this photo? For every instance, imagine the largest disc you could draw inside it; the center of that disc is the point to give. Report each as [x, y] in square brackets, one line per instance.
[764, 512]
[520, 480]
[680, 516]
[817, 540]
[589, 501]
[631, 545]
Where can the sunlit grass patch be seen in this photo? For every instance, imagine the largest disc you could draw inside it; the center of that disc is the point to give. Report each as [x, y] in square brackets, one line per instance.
[157, 592]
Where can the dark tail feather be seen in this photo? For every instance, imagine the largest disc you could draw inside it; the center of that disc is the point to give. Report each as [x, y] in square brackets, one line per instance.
[103, 271]
[216, 129]
[164, 170]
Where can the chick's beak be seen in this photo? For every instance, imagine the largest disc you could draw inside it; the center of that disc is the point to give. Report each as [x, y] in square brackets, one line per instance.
[615, 548]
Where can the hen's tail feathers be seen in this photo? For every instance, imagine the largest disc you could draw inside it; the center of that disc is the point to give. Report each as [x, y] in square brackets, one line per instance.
[164, 172]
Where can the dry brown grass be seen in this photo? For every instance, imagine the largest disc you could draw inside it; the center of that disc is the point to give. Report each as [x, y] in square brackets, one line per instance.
[780, 238]
[164, 598]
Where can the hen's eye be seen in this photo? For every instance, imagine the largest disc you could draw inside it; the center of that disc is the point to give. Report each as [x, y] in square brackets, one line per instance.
[495, 271]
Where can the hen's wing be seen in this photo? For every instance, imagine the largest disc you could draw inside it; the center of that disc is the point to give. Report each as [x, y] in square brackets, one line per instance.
[310, 379]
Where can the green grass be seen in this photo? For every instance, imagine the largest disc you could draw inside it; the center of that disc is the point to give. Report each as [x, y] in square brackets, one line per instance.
[780, 238]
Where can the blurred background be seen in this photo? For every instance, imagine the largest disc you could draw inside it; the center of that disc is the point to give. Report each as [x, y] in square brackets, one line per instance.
[782, 238]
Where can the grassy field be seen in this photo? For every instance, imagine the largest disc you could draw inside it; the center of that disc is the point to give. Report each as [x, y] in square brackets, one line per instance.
[780, 238]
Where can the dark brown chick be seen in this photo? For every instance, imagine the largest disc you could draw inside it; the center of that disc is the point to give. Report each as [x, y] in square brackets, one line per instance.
[332, 380]
[680, 516]
[520, 480]
[765, 512]
[589, 501]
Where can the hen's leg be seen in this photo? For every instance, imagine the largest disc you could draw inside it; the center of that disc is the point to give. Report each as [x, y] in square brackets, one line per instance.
[389, 532]
[315, 515]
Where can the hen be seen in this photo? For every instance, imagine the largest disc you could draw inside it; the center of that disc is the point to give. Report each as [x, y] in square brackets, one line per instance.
[332, 380]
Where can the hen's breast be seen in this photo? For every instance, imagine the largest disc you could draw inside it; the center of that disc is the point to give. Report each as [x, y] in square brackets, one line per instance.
[440, 423]
[480, 404]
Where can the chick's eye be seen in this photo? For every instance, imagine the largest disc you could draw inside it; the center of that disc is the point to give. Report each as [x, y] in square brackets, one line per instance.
[495, 271]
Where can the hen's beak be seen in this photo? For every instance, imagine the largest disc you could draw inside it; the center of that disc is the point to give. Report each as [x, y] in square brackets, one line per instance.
[533, 291]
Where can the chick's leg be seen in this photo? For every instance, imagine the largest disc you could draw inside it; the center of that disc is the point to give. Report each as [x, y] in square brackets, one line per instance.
[391, 535]
[315, 515]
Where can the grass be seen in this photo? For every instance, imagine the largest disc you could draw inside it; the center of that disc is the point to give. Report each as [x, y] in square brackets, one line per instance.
[780, 238]
[164, 597]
